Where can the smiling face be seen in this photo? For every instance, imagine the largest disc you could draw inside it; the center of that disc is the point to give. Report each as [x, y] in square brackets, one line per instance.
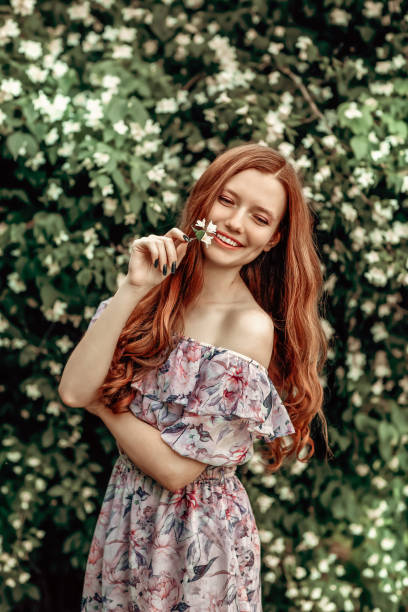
[247, 212]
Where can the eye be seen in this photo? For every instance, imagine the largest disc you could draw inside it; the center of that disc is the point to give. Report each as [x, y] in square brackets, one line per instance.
[261, 220]
[222, 199]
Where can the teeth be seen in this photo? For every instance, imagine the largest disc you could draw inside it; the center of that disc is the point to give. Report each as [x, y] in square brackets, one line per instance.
[227, 240]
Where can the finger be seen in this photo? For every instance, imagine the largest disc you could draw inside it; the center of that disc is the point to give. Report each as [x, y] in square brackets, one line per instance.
[171, 254]
[147, 245]
[181, 250]
[163, 264]
[177, 234]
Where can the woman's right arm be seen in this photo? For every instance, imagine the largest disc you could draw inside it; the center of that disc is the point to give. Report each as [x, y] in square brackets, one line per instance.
[87, 367]
[89, 362]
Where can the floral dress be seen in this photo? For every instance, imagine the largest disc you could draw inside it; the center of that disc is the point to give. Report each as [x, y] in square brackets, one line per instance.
[198, 548]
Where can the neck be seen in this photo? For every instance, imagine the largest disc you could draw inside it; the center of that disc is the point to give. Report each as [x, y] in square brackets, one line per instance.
[221, 285]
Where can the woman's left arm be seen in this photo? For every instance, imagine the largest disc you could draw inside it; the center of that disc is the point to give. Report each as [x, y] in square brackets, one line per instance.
[143, 445]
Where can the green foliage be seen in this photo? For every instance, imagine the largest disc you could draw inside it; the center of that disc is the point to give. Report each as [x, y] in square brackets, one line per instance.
[109, 114]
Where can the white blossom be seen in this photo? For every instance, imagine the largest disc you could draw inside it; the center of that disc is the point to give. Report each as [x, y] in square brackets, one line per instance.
[372, 9]
[15, 283]
[80, 12]
[31, 49]
[64, 344]
[120, 127]
[387, 543]
[10, 88]
[23, 7]
[36, 74]
[338, 16]
[122, 52]
[9, 29]
[32, 390]
[352, 112]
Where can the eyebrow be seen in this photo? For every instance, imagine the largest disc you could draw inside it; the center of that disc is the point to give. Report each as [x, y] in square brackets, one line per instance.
[268, 212]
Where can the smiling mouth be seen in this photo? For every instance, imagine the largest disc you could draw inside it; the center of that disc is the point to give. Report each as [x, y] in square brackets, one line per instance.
[227, 241]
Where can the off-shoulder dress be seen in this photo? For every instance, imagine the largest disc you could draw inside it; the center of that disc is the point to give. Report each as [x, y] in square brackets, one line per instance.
[198, 548]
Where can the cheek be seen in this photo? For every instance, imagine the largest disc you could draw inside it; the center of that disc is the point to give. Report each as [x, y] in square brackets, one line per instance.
[216, 211]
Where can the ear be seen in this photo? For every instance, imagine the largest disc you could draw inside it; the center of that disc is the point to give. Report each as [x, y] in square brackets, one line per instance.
[272, 242]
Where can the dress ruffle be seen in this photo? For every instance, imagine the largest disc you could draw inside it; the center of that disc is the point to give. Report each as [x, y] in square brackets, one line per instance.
[209, 381]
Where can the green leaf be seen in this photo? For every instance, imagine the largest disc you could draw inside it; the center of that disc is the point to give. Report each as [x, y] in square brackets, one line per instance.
[360, 146]
[117, 176]
[48, 438]
[21, 143]
[84, 277]
[56, 491]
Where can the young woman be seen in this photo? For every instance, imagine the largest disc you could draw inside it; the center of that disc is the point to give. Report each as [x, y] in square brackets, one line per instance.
[189, 344]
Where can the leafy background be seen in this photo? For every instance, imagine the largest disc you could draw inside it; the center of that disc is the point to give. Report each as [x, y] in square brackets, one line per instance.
[110, 111]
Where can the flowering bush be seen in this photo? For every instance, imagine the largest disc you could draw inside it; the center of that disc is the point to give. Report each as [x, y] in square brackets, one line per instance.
[109, 113]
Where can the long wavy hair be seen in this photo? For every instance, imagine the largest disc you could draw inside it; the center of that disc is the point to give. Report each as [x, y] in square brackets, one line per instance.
[287, 282]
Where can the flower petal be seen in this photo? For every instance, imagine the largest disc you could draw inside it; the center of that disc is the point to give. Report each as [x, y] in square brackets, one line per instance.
[211, 227]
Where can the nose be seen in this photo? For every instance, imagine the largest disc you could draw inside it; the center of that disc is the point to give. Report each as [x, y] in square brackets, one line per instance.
[234, 221]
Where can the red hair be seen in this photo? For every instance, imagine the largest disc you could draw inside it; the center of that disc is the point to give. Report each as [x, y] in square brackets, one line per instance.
[286, 282]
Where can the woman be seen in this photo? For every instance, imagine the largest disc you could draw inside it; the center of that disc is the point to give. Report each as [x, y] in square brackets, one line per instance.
[189, 344]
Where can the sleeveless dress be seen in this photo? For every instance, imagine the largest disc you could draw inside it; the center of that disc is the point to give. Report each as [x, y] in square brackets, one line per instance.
[198, 548]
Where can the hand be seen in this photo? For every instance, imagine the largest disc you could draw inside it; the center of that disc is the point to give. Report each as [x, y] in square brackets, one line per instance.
[165, 251]
[96, 407]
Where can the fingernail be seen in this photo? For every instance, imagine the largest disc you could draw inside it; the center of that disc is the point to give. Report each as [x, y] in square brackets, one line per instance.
[164, 269]
[186, 238]
[156, 263]
[173, 267]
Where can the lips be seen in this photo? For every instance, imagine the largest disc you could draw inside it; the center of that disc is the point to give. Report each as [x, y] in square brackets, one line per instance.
[230, 238]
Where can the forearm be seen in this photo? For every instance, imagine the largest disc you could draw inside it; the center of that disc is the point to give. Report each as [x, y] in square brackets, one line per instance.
[143, 445]
[89, 362]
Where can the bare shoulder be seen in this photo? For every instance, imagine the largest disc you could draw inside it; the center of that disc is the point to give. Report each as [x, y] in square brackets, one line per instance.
[251, 330]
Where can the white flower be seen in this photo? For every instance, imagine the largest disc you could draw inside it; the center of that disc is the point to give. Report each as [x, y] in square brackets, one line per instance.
[15, 283]
[211, 227]
[35, 74]
[349, 212]
[10, 88]
[120, 127]
[94, 112]
[23, 7]
[110, 81]
[31, 49]
[300, 572]
[271, 561]
[14, 456]
[33, 461]
[101, 159]
[33, 391]
[339, 17]
[353, 112]
[310, 540]
[59, 69]
[9, 30]
[109, 206]
[167, 105]
[24, 577]
[376, 276]
[264, 502]
[64, 344]
[122, 52]
[387, 543]
[79, 12]
[54, 191]
[274, 48]
[372, 9]
[303, 42]
[206, 239]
